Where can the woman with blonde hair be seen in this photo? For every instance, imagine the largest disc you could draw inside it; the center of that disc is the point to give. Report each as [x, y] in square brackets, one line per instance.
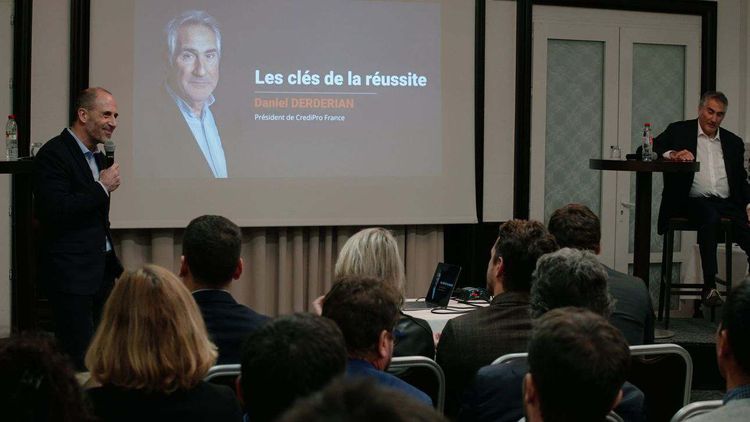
[151, 352]
[373, 252]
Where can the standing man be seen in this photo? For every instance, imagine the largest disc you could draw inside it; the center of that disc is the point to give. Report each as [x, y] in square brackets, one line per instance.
[719, 189]
[78, 264]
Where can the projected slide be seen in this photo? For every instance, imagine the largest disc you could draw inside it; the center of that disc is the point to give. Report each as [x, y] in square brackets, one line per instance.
[287, 89]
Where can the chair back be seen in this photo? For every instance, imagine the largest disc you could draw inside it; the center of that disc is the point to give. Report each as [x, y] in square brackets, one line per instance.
[424, 374]
[223, 375]
[664, 373]
[695, 409]
[613, 417]
[509, 357]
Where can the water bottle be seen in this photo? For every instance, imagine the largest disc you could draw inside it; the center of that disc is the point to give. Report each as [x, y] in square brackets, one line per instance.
[646, 143]
[11, 139]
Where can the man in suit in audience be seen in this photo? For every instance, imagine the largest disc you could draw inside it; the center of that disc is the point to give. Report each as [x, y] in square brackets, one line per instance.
[733, 356]
[577, 365]
[367, 310]
[568, 277]
[287, 359]
[72, 188]
[210, 261]
[719, 189]
[476, 339]
[576, 226]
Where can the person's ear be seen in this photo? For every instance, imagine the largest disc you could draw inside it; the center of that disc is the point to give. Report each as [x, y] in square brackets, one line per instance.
[238, 270]
[83, 115]
[184, 270]
[618, 399]
[530, 396]
[385, 345]
[722, 344]
[499, 267]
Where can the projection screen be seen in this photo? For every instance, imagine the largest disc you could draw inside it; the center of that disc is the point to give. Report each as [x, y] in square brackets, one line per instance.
[289, 112]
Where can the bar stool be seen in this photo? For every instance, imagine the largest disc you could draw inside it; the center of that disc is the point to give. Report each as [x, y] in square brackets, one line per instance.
[667, 289]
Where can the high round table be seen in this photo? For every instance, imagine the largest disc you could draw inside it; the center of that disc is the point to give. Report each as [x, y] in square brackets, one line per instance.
[643, 178]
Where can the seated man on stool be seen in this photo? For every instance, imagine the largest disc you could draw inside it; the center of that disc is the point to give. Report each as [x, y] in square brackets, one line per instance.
[719, 189]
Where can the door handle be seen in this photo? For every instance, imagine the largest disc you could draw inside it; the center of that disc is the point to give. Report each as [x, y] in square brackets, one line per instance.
[628, 205]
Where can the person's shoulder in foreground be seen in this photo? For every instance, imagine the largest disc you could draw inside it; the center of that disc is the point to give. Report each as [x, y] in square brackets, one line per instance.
[358, 368]
[203, 402]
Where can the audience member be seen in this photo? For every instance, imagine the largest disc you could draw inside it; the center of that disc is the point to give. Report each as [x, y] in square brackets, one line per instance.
[577, 365]
[347, 400]
[366, 310]
[576, 226]
[374, 253]
[471, 341]
[733, 357]
[568, 277]
[286, 359]
[38, 382]
[151, 352]
[210, 261]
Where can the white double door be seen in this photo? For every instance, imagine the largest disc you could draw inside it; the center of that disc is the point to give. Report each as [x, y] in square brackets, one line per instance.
[598, 76]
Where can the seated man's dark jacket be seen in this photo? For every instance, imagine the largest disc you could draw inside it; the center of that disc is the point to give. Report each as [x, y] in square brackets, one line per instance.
[476, 339]
[227, 322]
[684, 135]
[633, 314]
[496, 396]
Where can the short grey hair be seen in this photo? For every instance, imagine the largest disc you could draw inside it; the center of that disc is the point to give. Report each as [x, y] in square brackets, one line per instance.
[190, 17]
[713, 95]
[570, 277]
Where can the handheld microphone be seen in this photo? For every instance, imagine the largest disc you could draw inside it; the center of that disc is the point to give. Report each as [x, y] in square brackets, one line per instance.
[109, 151]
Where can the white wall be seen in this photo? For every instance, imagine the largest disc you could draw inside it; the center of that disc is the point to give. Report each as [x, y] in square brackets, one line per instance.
[732, 63]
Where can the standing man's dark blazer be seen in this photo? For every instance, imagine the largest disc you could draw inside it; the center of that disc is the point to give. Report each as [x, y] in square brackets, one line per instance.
[74, 213]
[684, 135]
[474, 340]
[228, 323]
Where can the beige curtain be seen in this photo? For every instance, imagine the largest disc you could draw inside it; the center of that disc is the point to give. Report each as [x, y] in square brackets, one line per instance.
[286, 268]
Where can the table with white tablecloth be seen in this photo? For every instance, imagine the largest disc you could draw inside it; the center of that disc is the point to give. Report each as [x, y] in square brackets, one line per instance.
[438, 317]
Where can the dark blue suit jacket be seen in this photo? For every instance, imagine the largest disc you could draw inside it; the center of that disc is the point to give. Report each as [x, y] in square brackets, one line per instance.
[227, 322]
[73, 210]
[356, 368]
[496, 395]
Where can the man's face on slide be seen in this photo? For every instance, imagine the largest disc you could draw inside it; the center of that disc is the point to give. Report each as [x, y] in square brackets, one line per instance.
[195, 67]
